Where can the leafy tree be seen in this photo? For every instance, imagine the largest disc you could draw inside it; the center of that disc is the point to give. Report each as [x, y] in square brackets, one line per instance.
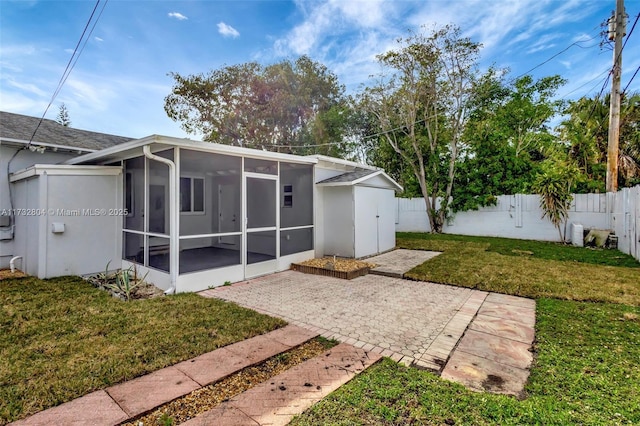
[279, 107]
[421, 109]
[629, 159]
[506, 138]
[63, 116]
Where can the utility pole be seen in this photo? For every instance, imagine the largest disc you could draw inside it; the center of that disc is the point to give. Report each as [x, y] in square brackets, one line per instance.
[616, 33]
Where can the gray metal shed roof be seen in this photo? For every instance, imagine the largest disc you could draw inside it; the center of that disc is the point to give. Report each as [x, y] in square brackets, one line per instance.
[364, 177]
[348, 177]
[20, 128]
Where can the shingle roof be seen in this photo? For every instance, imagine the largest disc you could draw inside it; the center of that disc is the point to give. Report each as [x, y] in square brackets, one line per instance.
[348, 177]
[21, 127]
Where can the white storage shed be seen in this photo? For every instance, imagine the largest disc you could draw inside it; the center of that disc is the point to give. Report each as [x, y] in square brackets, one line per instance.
[356, 208]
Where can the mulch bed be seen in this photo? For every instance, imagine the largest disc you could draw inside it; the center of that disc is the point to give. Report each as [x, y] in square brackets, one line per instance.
[143, 290]
[7, 274]
[334, 267]
[204, 399]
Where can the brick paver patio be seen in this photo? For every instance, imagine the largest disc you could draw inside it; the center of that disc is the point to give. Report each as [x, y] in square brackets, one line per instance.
[411, 322]
[397, 262]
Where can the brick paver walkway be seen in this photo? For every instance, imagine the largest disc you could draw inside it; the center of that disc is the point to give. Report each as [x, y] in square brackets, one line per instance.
[277, 400]
[126, 400]
[411, 322]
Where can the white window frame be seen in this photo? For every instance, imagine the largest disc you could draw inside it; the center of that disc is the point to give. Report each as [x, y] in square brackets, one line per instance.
[286, 194]
[192, 178]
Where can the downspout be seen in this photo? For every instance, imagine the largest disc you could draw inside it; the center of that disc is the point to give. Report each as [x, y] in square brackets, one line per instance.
[173, 221]
[12, 263]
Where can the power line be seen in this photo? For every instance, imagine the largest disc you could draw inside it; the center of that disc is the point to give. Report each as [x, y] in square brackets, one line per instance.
[86, 40]
[70, 65]
[342, 142]
[632, 77]
[590, 81]
[576, 43]
[625, 43]
[629, 35]
[597, 98]
[68, 69]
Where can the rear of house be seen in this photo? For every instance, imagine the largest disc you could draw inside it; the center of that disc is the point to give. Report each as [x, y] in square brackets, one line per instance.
[193, 214]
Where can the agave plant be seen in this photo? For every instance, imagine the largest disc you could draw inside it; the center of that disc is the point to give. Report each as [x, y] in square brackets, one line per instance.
[126, 281]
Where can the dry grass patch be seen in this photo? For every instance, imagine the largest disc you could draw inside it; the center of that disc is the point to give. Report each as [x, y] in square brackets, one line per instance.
[338, 264]
[204, 399]
[6, 274]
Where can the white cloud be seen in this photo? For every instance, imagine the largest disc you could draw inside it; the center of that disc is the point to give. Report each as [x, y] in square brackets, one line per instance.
[89, 93]
[334, 17]
[364, 14]
[25, 87]
[177, 15]
[21, 104]
[8, 66]
[98, 39]
[227, 30]
[17, 50]
[544, 42]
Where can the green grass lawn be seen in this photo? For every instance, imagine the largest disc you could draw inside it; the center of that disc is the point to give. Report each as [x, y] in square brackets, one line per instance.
[527, 268]
[587, 350]
[62, 338]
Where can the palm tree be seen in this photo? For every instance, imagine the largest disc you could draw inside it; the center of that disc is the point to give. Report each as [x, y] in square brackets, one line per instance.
[586, 133]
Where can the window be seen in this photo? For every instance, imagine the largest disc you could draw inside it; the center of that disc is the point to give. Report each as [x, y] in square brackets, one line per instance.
[287, 196]
[128, 194]
[296, 199]
[191, 195]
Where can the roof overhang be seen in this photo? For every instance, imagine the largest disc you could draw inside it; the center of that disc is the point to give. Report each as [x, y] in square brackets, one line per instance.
[64, 170]
[339, 164]
[133, 148]
[54, 147]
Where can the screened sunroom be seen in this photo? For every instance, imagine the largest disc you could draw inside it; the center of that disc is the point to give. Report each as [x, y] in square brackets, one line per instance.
[201, 214]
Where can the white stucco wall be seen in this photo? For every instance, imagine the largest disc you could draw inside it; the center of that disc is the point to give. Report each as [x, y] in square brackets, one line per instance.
[27, 228]
[86, 204]
[514, 216]
[520, 216]
[24, 159]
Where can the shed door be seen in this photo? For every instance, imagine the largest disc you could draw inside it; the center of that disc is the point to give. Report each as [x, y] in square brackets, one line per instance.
[375, 220]
[261, 225]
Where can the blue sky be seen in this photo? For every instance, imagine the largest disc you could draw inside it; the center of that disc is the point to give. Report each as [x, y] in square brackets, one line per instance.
[119, 83]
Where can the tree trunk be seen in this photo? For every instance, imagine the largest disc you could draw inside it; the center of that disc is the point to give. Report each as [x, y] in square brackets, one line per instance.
[430, 209]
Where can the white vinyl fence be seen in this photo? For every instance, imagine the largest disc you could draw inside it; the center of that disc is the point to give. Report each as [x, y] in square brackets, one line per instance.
[519, 216]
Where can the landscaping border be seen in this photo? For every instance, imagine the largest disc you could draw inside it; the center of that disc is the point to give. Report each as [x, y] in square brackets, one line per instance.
[314, 270]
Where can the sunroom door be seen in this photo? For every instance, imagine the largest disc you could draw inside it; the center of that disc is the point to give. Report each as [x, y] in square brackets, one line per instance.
[261, 225]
